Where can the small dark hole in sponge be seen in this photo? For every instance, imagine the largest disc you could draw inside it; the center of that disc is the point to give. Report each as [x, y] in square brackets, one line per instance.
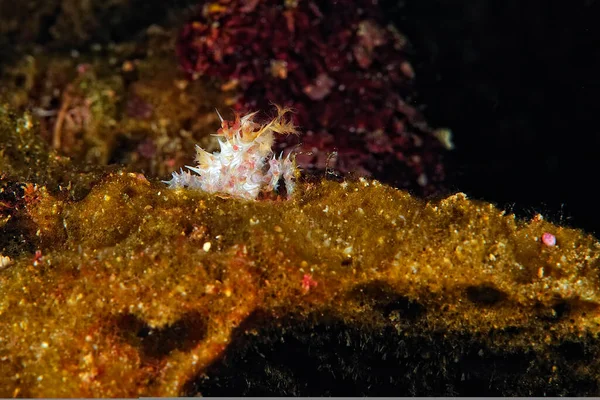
[486, 295]
[154, 343]
[384, 299]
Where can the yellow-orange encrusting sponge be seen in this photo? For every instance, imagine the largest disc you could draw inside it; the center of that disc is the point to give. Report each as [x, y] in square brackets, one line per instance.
[245, 165]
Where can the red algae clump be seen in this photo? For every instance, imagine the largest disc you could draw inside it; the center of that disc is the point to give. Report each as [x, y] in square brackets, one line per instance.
[338, 65]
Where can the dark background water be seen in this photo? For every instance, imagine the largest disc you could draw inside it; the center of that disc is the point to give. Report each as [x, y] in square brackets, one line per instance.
[518, 83]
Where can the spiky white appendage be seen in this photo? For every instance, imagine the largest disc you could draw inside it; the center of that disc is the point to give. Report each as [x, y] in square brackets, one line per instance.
[245, 165]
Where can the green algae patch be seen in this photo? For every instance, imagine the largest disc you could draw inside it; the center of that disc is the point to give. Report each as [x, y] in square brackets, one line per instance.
[139, 289]
[26, 158]
[125, 104]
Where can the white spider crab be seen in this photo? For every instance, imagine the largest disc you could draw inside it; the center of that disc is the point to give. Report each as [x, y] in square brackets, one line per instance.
[245, 165]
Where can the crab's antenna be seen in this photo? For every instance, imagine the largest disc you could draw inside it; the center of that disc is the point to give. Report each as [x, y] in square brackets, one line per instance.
[329, 170]
[219, 114]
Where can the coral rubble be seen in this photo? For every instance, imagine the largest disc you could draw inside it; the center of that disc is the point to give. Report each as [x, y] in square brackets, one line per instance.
[73, 23]
[131, 289]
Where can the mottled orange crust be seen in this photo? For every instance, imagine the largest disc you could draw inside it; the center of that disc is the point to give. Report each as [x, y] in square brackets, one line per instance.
[132, 253]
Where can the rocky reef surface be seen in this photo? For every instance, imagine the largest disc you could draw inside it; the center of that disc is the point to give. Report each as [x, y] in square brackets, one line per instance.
[114, 285]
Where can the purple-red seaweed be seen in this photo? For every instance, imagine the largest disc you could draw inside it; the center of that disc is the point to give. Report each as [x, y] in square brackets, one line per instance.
[338, 65]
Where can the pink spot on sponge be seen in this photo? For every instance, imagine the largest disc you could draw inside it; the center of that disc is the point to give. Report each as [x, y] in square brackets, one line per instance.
[549, 239]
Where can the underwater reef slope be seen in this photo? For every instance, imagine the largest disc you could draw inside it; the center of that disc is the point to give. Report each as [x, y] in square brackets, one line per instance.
[115, 285]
